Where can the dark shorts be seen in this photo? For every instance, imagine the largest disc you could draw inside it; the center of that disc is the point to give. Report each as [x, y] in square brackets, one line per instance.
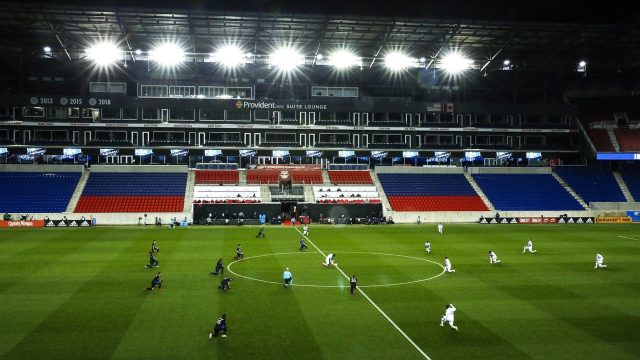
[288, 280]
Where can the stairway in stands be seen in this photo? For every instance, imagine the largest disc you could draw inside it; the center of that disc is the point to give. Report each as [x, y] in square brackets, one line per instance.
[623, 187]
[78, 192]
[570, 190]
[188, 197]
[478, 190]
[614, 139]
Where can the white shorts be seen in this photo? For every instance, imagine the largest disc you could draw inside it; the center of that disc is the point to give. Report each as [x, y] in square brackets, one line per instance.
[530, 248]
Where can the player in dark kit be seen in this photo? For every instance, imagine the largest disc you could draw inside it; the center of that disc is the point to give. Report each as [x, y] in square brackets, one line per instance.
[154, 247]
[225, 284]
[219, 268]
[354, 283]
[157, 281]
[303, 246]
[153, 262]
[221, 325]
[239, 253]
[260, 233]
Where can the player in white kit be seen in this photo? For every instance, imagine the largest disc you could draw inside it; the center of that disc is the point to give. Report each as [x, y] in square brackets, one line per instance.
[529, 247]
[329, 260]
[440, 227]
[427, 247]
[493, 258]
[600, 262]
[305, 230]
[448, 316]
[447, 265]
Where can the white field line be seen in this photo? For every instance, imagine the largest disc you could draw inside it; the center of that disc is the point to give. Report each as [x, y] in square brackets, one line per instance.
[371, 301]
[630, 238]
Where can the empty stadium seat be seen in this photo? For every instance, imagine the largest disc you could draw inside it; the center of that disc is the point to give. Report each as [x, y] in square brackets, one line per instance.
[591, 183]
[217, 177]
[350, 177]
[133, 192]
[34, 192]
[628, 139]
[526, 192]
[430, 192]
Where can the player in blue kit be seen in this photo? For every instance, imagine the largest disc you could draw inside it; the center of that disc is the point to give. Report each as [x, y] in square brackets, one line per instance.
[157, 281]
[219, 268]
[220, 326]
[154, 247]
[303, 245]
[153, 262]
[225, 284]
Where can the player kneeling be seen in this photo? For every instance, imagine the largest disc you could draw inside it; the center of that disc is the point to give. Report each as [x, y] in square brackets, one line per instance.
[220, 326]
[600, 262]
[448, 316]
[157, 281]
[493, 258]
[529, 247]
[330, 260]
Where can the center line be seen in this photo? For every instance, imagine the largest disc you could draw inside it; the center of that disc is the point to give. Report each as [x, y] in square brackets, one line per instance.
[371, 301]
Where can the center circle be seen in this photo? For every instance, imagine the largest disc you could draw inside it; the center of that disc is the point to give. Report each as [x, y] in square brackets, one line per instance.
[229, 268]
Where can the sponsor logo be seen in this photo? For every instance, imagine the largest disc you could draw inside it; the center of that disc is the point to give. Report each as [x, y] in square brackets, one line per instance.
[613, 219]
[21, 223]
[50, 223]
[73, 223]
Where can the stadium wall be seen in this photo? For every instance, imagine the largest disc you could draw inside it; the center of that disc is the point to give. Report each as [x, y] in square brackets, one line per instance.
[40, 168]
[140, 168]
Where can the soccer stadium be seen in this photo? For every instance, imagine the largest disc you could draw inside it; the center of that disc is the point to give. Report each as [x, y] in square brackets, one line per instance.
[326, 180]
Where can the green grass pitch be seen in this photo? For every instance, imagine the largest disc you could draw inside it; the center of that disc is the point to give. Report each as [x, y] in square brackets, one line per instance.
[78, 293]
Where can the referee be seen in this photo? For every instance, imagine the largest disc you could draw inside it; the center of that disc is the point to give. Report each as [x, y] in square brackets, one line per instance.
[354, 283]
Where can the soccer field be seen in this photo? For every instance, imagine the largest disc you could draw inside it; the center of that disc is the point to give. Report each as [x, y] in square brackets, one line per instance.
[78, 293]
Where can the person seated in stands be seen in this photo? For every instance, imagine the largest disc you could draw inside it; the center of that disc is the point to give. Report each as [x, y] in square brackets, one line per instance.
[239, 195]
[481, 218]
[390, 220]
[320, 190]
[46, 218]
[338, 189]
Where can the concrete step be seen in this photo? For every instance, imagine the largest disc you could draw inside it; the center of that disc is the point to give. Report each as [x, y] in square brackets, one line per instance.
[479, 191]
[189, 192]
[265, 194]
[325, 178]
[623, 186]
[570, 190]
[242, 177]
[614, 139]
[78, 192]
[385, 202]
[308, 194]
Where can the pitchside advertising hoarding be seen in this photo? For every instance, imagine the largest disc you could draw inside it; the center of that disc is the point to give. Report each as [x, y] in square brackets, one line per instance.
[45, 223]
[538, 220]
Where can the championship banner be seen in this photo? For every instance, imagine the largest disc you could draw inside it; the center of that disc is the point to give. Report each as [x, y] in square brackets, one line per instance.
[68, 223]
[21, 223]
[613, 219]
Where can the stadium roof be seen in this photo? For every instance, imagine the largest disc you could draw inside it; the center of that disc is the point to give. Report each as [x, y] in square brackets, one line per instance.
[535, 45]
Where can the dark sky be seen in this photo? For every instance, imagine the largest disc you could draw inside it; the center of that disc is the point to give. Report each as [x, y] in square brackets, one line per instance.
[613, 11]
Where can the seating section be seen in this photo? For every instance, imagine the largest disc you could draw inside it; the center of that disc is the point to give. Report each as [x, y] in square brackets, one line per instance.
[591, 183]
[350, 177]
[226, 194]
[34, 192]
[217, 177]
[430, 192]
[628, 139]
[133, 192]
[263, 176]
[270, 176]
[631, 175]
[526, 192]
[601, 140]
[306, 176]
[346, 194]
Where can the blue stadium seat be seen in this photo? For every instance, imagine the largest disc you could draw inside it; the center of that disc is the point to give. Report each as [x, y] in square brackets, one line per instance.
[34, 192]
[591, 183]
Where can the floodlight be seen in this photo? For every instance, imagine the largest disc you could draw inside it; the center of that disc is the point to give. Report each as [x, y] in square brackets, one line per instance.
[286, 58]
[47, 49]
[582, 63]
[229, 56]
[396, 61]
[319, 57]
[104, 53]
[506, 62]
[167, 54]
[455, 63]
[423, 59]
[343, 59]
[138, 51]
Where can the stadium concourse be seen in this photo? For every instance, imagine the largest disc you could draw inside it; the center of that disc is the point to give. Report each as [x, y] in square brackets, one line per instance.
[153, 194]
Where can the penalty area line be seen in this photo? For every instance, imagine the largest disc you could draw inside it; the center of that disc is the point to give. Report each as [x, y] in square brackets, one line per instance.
[371, 301]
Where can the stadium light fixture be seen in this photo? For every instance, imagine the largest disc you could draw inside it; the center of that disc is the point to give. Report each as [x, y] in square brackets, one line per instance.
[506, 62]
[138, 52]
[397, 61]
[455, 63]
[47, 49]
[286, 58]
[343, 59]
[582, 63]
[104, 53]
[167, 54]
[229, 56]
[319, 57]
[423, 59]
